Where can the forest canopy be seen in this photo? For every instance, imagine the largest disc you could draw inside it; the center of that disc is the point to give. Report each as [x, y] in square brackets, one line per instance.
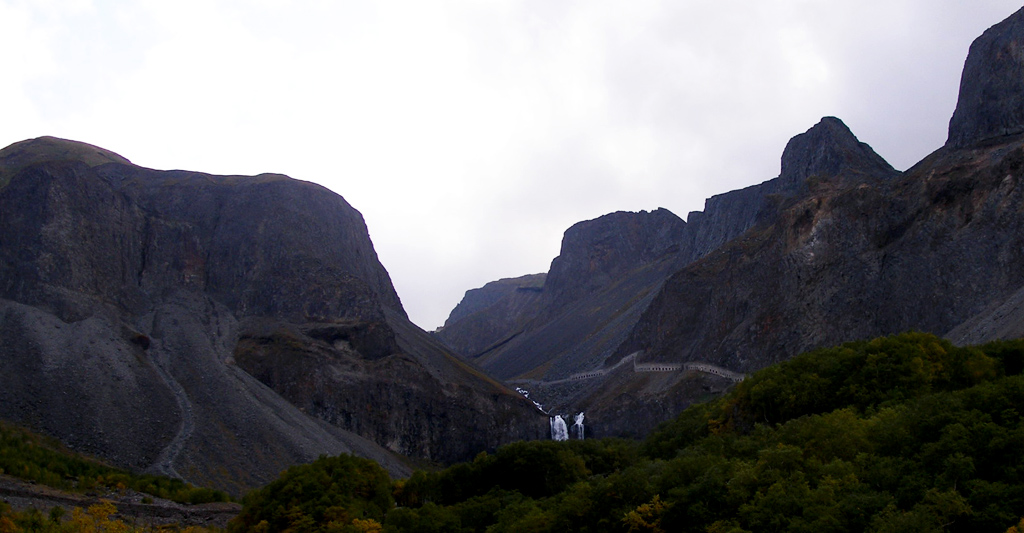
[902, 433]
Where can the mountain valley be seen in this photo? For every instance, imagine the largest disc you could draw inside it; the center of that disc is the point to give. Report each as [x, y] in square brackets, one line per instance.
[220, 329]
[840, 246]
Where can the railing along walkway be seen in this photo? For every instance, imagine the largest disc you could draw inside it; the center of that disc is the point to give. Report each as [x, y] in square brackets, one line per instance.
[707, 368]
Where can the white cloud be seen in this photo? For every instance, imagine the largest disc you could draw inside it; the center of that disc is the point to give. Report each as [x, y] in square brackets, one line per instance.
[471, 134]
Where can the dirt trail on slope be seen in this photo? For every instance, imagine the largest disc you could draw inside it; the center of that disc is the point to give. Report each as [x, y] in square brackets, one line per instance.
[164, 464]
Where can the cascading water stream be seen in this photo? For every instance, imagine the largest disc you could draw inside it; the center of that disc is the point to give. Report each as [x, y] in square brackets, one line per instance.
[558, 429]
[577, 427]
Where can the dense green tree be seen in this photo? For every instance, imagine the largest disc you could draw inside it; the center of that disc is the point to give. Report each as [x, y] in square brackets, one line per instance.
[329, 494]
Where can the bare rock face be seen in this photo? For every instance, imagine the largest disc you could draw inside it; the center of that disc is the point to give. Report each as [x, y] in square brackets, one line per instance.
[927, 252]
[936, 249]
[492, 314]
[143, 315]
[596, 253]
[426, 405]
[840, 246]
[535, 325]
[827, 150]
[580, 348]
[991, 102]
[477, 300]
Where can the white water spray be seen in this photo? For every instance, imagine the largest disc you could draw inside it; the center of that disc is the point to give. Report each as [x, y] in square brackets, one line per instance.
[577, 427]
[526, 394]
[558, 429]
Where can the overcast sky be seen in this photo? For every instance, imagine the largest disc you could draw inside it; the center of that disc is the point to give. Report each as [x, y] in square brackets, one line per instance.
[471, 134]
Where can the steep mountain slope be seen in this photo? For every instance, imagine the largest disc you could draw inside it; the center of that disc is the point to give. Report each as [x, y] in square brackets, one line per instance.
[610, 270]
[929, 251]
[991, 100]
[839, 247]
[136, 307]
[827, 150]
[926, 252]
[595, 256]
[492, 314]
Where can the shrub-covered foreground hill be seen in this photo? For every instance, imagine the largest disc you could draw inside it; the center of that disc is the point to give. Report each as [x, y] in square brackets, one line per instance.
[45, 487]
[903, 433]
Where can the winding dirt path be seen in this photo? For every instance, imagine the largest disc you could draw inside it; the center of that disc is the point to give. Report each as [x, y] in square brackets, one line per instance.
[164, 463]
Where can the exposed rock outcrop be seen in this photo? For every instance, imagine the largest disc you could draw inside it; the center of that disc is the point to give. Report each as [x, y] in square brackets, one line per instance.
[991, 101]
[583, 294]
[827, 150]
[477, 300]
[594, 316]
[610, 269]
[849, 263]
[492, 314]
[596, 253]
[137, 305]
[936, 249]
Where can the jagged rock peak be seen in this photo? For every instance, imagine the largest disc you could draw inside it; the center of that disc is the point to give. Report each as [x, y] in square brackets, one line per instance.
[991, 101]
[827, 149]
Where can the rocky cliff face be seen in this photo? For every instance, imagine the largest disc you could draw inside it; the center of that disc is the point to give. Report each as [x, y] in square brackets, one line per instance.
[597, 253]
[840, 246]
[595, 256]
[827, 150]
[860, 252]
[991, 101]
[936, 250]
[610, 270]
[137, 306]
[926, 252]
[492, 314]
[477, 300]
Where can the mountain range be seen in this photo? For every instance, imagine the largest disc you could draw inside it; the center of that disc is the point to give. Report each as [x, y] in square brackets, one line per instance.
[642, 314]
[221, 328]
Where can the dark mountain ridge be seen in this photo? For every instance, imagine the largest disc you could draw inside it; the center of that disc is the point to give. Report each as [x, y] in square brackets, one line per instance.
[839, 247]
[991, 100]
[493, 314]
[221, 328]
[218, 328]
[610, 269]
[828, 149]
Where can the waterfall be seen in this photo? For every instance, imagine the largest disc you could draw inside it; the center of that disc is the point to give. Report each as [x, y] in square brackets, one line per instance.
[558, 429]
[526, 394]
[577, 427]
